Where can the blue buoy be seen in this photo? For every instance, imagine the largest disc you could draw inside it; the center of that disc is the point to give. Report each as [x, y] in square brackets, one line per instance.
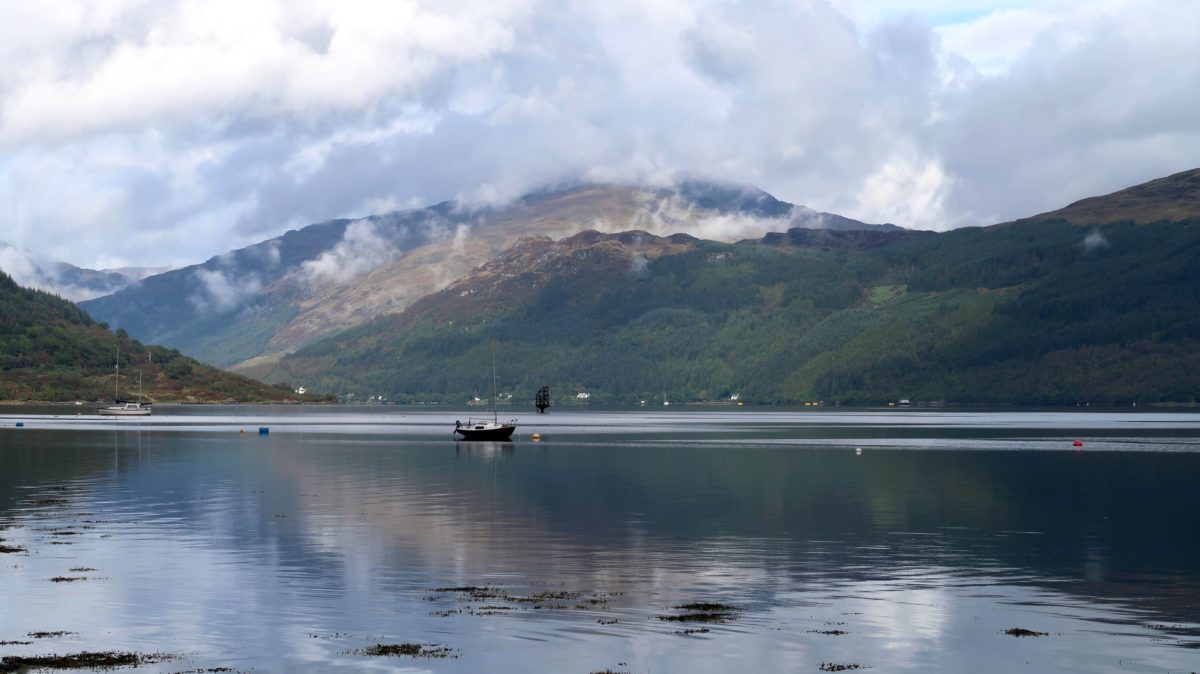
[20, 424]
[263, 430]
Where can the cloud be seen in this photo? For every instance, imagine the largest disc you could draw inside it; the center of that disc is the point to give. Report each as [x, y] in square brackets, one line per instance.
[220, 292]
[20, 265]
[77, 285]
[360, 250]
[136, 132]
[1094, 239]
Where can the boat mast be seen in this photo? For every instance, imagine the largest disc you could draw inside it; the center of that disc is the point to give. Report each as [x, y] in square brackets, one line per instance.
[495, 391]
[117, 376]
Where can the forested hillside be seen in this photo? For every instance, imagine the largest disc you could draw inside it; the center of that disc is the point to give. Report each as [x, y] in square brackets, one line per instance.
[50, 350]
[1034, 312]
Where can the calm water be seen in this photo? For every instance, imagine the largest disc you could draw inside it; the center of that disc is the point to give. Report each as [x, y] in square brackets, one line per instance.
[289, 551]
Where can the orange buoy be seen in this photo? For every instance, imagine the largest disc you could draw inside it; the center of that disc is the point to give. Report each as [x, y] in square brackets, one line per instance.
[537, 436]
[1078, 443]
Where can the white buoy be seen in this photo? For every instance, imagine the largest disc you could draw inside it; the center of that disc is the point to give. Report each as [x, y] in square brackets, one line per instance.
[858, 451]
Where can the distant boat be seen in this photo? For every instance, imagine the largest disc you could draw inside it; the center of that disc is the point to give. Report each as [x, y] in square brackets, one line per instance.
[487, 430]
[542, 400]
[124, 408]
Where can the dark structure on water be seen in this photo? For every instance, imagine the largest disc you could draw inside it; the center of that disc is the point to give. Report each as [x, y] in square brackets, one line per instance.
[542, 401]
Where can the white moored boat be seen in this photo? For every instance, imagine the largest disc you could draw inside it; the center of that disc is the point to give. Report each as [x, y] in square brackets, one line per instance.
[124, 408]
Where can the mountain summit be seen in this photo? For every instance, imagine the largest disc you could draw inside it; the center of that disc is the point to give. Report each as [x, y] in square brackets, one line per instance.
[258, 303]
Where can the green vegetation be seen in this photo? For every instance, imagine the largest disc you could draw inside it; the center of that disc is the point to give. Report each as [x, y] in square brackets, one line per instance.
[50, 350]
[1039, 312]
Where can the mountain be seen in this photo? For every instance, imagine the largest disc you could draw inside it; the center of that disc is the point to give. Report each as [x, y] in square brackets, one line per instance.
[1170, 199]
[66, 280]
[50, 350]
[1040, 311]
[253, 305]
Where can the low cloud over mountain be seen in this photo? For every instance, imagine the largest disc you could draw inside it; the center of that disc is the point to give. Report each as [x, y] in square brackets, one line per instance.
[168, 132]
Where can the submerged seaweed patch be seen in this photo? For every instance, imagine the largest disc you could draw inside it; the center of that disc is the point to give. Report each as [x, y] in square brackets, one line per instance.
[834, 667]
[1022, 632]
[411, 650]
[706, 607]
[698, 618]
[84, 660]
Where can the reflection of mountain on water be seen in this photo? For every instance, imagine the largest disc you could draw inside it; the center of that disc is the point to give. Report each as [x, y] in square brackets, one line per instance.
[349, 512]
[1111, 526]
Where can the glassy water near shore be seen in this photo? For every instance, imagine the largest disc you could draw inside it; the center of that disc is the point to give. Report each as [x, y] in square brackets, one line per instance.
[349, 527]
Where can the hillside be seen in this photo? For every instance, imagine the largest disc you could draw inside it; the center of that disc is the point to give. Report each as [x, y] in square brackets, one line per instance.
[1170, 199]
[1037, 312]
[50, 350]
[253, 305]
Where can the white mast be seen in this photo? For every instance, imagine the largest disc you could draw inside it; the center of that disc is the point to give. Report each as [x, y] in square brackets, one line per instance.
[495, 391]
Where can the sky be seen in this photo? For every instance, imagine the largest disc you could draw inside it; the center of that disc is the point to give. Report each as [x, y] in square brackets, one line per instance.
[162, 132]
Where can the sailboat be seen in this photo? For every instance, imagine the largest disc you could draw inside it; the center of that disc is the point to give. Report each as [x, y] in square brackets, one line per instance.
[487, 430]
[124, 408]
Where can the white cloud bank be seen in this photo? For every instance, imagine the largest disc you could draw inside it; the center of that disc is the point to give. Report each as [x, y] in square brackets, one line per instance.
[139, 132]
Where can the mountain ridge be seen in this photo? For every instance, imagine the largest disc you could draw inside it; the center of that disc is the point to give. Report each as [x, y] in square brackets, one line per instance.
[1168, 199]
[1039, 311]
[260, 302]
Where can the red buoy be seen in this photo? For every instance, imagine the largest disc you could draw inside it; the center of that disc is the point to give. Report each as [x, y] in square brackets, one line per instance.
[1078, 443]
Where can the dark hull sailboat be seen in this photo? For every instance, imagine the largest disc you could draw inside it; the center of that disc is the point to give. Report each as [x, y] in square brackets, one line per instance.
[486, 430]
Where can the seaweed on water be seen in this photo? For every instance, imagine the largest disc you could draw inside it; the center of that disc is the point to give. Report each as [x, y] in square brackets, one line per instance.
[50, 635]
[706, 606]
[1022, 632]
[67, 579]
[9, 549]
[411, 650]
[698, 618]
[835, 667]
[84, 660]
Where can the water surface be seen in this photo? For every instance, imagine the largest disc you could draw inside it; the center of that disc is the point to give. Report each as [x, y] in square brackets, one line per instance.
[348, 527]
